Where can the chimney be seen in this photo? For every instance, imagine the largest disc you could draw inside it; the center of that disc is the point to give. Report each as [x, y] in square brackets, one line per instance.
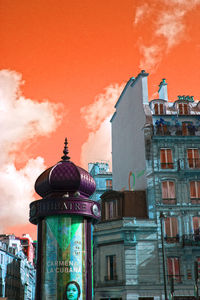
[163, 90]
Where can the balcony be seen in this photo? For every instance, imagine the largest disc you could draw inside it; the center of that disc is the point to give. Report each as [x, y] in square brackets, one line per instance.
[167, 165]
[169, 201]
[172, 239]
[190, 165]
[191, 240]
[173, 130]
[195, 200]
[175, 278]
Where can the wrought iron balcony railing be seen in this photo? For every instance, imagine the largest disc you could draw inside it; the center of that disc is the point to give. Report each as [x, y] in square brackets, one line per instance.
[173, 130]
[167, 165]
[169, 201]
[175, 277]
[181, 164]
[172, 239]
[191, 240]
[195, 200]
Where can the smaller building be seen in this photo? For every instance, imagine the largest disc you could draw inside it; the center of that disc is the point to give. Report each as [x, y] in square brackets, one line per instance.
[17, 274]
[103, 178]
[125, 249]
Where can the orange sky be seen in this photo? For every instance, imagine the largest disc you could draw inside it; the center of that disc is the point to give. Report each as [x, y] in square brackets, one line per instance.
[69, 51]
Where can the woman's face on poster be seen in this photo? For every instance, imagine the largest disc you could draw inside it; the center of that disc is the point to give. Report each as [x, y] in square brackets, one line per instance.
[72, 292]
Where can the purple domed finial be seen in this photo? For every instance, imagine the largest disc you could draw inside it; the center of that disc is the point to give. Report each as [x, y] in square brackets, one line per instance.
[65, 151]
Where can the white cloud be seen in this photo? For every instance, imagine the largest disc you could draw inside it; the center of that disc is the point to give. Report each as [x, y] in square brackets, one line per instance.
[17, 191]
[97, 148]
[171, 27]
[102, 106]
[188, 4]
[151, 56]
[168, 21]
[97, 116]
[141, 11]
[21, 121]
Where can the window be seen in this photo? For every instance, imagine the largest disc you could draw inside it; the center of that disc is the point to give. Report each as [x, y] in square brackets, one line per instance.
[173, 268]
[184, 128]
[158, 108]
[188, 128]
[166, 159]
[183, 109]
[168, 192]
[162, 129]
[108, 184]
[196, 225]
[193, 158]
[171, 230]
[111, 267]
[111, 209]
[195, 192]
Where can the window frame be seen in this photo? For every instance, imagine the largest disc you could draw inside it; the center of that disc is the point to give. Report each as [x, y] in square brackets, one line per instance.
[171, 229]
[111, 209]
[195, 199]
[173, 268]
[193, 161]
[183, 109]
[168, 200]
[167, 163]
[111, 267]
[159, 109]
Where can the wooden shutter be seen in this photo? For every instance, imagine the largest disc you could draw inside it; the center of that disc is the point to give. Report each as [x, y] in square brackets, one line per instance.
[193, 189]
[174, 226]
[164, 190]
[196, 158]
[184, 129]
[180, 109]
[156, 108]
[185, 109]
[170, 267]
[171, 190]
[171, 226]
[190, 158]
[177, 269]
[161, 109]
[162, 158]
[196, 224]
[169, 159]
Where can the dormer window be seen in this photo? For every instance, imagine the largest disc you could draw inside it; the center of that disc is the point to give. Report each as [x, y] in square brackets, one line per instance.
[159, 109]
[183, 109]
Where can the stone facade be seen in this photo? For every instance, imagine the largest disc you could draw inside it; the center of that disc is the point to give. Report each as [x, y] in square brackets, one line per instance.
[153, 256]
